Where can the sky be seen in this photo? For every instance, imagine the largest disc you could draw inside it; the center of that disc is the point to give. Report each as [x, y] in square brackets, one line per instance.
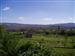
[37, 11]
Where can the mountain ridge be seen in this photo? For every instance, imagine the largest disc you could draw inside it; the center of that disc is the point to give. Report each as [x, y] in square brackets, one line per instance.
[23, 26]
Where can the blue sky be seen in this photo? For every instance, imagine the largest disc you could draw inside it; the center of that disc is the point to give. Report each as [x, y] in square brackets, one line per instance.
[37, 11]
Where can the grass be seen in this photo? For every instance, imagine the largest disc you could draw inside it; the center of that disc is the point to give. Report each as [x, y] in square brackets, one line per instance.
[57, 42]
[65, 51]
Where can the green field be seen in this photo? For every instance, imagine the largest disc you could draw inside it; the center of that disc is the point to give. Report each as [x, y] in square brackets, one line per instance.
[60, 45]
[17, 44]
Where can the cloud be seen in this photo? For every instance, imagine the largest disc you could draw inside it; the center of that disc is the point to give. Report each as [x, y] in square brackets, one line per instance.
[6, 8]
[56, 21]
[21, 18]
[44, 20]
[47, 19]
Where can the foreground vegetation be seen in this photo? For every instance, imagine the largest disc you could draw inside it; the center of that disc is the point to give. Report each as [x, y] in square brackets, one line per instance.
[42, 43]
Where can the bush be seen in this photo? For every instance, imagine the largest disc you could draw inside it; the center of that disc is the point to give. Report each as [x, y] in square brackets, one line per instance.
[34, 49]
[70, 33]
[47, 33]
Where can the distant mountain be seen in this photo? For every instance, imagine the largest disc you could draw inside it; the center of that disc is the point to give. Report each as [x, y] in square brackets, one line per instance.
[24, 26]
[65, 25]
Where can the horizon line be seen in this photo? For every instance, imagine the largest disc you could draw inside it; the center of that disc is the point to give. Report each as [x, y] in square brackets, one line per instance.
[36, 23]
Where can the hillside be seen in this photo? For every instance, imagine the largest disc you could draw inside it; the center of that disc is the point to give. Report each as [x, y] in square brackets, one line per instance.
[24, 26]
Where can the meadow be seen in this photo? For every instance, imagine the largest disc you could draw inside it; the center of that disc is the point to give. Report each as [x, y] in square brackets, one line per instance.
[44, 43]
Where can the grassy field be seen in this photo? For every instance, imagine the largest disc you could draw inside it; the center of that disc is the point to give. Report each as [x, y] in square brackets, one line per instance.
[61, 45]
[17, 44]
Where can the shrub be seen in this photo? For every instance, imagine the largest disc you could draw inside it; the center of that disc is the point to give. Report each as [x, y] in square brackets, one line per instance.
[69, 33]
[47, 33]
[34, 49]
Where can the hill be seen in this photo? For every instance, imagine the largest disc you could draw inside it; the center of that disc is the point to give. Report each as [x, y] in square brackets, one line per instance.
[11, 26]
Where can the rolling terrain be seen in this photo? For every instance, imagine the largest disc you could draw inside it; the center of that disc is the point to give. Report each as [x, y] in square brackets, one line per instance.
[36, 26]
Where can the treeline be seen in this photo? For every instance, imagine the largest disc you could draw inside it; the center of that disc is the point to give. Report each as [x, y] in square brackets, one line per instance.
[47, 31]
